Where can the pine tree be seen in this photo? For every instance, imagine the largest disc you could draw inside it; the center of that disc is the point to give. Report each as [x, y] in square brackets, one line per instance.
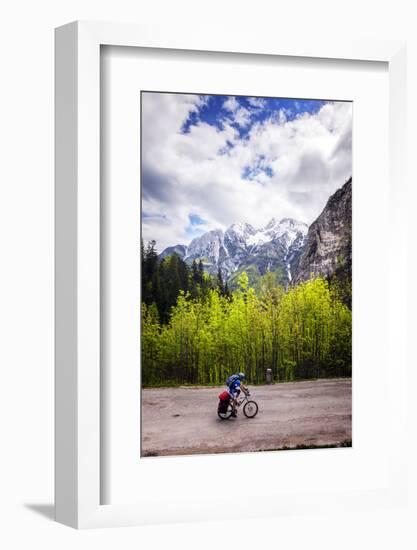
[220, 285]
[200, 272]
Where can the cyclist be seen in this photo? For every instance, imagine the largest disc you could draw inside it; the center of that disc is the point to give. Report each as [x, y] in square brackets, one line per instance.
[234, 386]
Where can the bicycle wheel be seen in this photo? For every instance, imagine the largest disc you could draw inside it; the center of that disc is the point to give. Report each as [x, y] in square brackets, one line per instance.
[250, 409]
[227, 414]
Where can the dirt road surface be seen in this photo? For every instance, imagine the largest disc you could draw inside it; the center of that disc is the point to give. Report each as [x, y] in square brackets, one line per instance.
[178, 421]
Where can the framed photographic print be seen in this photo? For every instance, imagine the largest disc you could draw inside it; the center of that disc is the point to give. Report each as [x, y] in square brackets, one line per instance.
[222, 206]
[264, 301]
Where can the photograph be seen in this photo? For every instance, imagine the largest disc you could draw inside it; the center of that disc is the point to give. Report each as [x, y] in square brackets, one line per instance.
[246, 273]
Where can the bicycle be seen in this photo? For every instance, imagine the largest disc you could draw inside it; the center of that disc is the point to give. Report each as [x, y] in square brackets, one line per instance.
[250, 408]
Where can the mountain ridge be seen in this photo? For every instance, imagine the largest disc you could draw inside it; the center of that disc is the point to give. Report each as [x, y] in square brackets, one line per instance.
[275, 245]
[294, 250]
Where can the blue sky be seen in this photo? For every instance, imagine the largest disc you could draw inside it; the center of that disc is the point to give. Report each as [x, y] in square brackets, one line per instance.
[213, 111]
[211, 160]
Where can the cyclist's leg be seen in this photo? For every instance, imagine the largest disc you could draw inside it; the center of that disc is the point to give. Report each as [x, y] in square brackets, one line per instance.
[231, 399]
[237, 393]
[234, 402]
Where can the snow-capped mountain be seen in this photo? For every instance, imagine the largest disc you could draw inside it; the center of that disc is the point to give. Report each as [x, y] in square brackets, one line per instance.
[289, 247]
[241, 246]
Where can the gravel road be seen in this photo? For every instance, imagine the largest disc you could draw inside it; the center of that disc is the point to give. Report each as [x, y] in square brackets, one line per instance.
[178, 421]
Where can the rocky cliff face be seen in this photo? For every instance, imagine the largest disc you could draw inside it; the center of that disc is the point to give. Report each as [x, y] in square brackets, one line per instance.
[328, 246]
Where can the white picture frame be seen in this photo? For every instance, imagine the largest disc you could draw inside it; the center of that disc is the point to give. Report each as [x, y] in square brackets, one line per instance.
[78, 405]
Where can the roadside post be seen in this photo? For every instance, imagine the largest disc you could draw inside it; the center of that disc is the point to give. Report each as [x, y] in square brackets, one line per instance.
[268, 376]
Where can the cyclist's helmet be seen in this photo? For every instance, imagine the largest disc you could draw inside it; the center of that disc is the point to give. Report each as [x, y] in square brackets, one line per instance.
[242, 375]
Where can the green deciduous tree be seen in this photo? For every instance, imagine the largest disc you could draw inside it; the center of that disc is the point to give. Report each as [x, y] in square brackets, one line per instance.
[304, 332]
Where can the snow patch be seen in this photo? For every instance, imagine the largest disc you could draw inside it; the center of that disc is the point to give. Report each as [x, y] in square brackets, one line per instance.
[288, 230]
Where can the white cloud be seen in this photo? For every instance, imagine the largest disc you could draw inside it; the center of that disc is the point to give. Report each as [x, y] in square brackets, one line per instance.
[240, 115]
[256, 102]
[293, 166]
[231, 104]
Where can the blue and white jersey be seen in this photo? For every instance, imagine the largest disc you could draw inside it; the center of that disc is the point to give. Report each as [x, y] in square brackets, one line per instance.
[234, 387]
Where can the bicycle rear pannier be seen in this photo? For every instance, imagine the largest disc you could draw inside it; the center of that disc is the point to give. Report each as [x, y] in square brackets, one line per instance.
[224, 396]
[223, 404]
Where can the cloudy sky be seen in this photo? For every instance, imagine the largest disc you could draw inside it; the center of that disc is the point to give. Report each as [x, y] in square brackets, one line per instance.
[210, 161]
